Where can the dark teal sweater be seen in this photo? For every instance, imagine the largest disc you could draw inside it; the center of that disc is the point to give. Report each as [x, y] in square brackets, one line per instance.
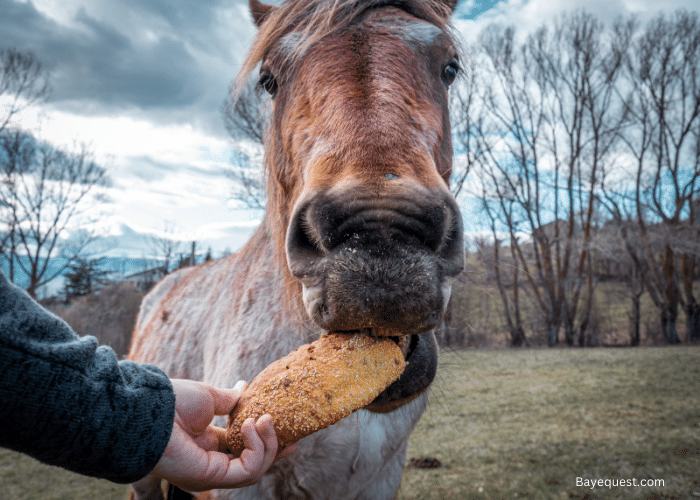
[67, 401]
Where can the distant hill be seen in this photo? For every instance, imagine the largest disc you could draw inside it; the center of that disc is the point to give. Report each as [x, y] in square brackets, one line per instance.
[123, 252]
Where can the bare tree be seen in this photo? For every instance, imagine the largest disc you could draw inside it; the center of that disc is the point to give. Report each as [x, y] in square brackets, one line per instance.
[17, 150]
[543, 135]
[490, 255]
[164, 246]
[45, 190]
[581, 66]
[636, 286]
[466, 120]
[248, 177]
[663, 143]
[245, 121]
[243, 113]
[23, 83]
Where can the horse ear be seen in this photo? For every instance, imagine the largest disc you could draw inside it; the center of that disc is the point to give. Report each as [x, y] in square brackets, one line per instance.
[259, 11]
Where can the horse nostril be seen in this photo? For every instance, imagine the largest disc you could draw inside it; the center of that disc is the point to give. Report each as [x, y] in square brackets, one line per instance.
[355, 223]
[323, 309]
[303, 246]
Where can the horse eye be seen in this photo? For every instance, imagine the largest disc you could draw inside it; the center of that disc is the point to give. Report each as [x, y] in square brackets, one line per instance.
[450, 71]
[269, 83]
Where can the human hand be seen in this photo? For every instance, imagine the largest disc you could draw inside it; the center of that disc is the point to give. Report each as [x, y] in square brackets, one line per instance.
[191, 460]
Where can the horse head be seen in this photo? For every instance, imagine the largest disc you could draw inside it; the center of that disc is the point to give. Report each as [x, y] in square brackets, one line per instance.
[359, 158]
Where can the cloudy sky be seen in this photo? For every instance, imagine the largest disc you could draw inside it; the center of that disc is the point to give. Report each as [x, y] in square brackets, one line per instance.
[142, 82]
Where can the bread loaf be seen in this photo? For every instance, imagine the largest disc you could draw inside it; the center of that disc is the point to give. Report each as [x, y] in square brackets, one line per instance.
[317, 385]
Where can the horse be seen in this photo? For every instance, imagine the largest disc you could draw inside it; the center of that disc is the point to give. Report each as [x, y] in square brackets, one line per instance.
[360, 234]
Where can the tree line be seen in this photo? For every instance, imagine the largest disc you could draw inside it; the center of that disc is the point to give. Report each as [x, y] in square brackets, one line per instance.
[580, 143]
[49, 195]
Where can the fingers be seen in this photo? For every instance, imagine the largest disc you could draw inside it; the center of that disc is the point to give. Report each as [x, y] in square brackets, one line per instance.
[203, 400]
[215, 439]
[226, 399]
[260, 441]
[197, 457]
[261, 448]
[194, 468]
[266, 431]
[221, 443]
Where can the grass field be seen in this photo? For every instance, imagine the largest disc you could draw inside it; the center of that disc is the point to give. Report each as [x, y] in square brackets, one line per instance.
[517, 424]
[527, 423]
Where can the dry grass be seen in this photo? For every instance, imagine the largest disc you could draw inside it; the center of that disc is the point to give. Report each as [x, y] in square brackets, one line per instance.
[23, 478]
[110, 315]
[527, 423]
[478, 319]
[517, 424]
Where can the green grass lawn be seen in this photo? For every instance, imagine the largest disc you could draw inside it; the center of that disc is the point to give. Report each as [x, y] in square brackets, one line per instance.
[517, 424]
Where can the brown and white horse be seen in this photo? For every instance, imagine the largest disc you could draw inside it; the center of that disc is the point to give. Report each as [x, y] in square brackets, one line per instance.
[361, 233]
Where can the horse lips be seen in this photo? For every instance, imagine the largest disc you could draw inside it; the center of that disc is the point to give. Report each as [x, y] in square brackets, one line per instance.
[316, 385]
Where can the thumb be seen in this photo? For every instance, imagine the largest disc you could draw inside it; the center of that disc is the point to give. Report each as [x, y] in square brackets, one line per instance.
[225, 399]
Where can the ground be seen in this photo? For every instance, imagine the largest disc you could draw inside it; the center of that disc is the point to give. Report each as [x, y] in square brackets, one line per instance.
[524, 423]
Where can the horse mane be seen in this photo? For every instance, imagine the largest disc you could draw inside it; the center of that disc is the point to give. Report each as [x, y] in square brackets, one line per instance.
[314, 19]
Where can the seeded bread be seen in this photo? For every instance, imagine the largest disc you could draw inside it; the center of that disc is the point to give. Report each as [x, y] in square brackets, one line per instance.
[317, 385]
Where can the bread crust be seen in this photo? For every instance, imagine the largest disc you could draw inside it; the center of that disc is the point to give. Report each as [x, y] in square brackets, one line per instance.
[316, 385]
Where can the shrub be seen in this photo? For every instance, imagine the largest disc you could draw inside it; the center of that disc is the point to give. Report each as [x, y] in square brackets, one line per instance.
[109, 315]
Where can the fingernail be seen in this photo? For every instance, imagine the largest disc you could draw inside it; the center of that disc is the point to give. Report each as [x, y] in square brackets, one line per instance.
[240, 385]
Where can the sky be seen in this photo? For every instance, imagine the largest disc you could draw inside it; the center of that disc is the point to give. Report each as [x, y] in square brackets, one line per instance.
[143, 83]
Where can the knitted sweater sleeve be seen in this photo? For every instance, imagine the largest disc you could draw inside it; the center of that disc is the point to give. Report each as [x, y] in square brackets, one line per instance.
[68, 402]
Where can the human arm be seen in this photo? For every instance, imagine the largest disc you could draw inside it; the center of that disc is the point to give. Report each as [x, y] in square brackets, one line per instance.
[69, 402]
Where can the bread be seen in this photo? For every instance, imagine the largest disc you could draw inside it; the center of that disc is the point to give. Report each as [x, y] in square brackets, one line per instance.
[317, 385]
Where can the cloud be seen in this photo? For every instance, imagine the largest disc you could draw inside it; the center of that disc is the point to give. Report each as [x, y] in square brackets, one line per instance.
[95, 62]
[108, 57]
[528, 15]
[137, 136]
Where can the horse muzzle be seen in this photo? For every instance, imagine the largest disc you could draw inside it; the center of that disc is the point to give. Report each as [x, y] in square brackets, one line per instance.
[380, 263]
